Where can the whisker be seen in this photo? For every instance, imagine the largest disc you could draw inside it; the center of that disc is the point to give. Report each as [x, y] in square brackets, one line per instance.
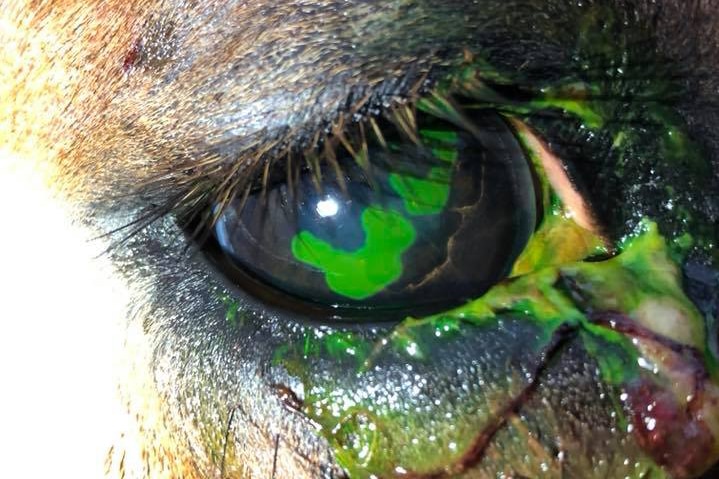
[274, 458]
[226, 441]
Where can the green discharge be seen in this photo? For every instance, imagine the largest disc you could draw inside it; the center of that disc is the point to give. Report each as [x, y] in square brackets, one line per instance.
[370, 438]
[644, 272]
[571, 99]
[647, 260]
[590, 118]
[362, 273]
[599, 98]
[233, 309]
[344, 345]
[558, 239]
[615, 354]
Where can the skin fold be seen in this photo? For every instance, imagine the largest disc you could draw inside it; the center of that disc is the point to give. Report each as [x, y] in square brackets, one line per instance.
[128, 353]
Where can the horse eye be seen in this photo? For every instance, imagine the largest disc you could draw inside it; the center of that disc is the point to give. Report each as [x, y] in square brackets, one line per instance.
[409, 226]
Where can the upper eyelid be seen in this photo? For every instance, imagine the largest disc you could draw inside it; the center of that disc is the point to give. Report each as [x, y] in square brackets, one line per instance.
[179, 187]
[168, 180]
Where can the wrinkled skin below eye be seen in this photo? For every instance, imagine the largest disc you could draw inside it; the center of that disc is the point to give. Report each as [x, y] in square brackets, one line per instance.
[600, 369]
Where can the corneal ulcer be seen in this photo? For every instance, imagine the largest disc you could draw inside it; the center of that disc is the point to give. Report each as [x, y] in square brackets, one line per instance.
[476, 386]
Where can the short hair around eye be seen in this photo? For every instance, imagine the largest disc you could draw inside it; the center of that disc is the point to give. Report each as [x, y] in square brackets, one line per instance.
[589, 353]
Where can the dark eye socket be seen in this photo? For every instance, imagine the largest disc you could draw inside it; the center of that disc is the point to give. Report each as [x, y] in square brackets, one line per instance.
[413, 224]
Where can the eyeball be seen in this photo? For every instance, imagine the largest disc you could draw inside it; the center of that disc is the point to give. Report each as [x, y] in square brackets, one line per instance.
[423, 225]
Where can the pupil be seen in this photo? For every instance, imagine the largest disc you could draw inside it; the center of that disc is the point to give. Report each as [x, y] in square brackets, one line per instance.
[428, 225]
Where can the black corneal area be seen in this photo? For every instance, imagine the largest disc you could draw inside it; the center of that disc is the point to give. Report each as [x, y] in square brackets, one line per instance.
[415, 226]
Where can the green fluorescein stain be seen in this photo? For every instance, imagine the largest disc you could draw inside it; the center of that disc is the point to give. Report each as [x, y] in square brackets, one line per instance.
[429, 195]
[423, 196]
[441, 136]
[367, 271]
[448, 155]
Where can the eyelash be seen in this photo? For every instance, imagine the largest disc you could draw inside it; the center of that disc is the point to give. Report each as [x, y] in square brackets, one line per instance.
[197, 191]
